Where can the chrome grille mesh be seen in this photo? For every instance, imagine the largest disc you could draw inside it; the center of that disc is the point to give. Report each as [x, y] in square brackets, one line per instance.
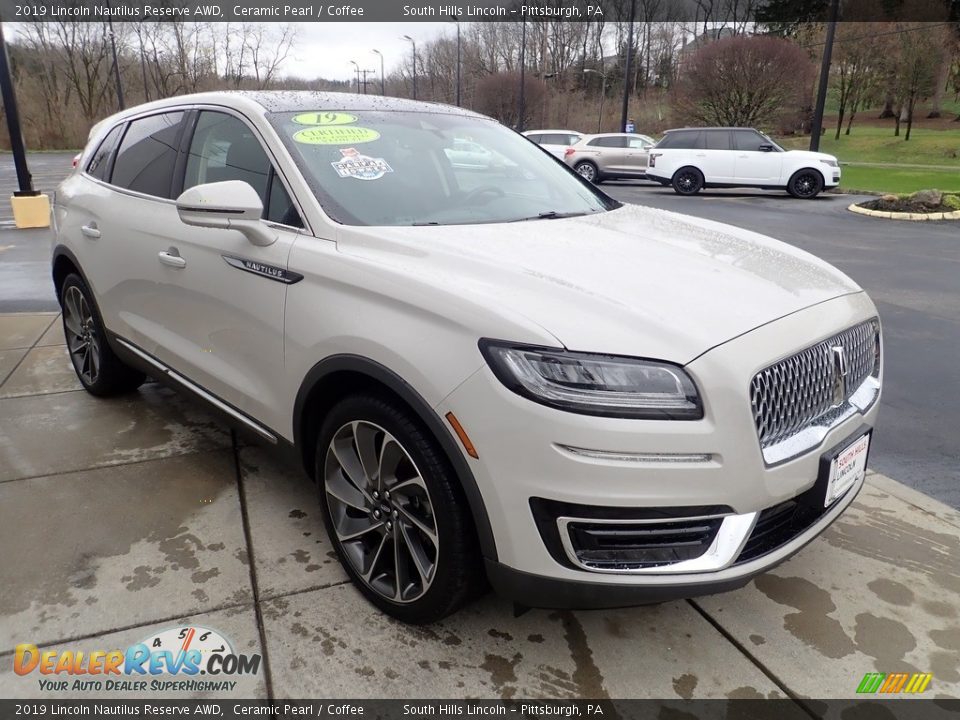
[791, 394]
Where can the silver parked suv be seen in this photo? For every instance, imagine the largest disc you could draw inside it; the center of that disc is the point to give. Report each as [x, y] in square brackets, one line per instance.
[609, 156]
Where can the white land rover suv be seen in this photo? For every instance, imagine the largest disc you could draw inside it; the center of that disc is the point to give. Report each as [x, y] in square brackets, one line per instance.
[695, 158]
[492, 373]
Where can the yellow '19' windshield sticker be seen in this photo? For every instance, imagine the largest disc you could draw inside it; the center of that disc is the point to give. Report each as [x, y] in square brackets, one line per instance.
[324, 118]
[343, 135]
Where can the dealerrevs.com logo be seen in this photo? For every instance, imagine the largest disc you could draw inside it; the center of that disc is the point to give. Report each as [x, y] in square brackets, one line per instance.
[170, 660]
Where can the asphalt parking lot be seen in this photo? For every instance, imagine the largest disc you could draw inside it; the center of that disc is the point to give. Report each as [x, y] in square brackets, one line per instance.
[120, 518]
[123, 517]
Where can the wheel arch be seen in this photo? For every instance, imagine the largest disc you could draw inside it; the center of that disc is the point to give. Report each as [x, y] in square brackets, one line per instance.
[340, 375]
[803, 168]
[63, 263]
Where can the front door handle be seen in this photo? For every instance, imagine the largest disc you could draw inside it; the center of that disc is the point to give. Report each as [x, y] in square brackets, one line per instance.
[90, 231]
[171, 259]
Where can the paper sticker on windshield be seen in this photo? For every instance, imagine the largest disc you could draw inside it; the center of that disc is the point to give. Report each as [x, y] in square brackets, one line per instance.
[361, 167]
[324, 118]
[336, 135]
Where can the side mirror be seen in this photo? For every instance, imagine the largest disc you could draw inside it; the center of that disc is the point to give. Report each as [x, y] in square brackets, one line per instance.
[229, 205]
[765, 148]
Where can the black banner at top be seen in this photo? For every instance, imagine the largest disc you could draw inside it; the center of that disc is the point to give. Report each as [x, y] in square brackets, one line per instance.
[705, 12]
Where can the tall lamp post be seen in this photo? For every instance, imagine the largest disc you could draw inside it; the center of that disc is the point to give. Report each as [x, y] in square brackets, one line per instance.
[457, 21]
[603, 92]
[414, 43]
[523, 70]
[816, 127]
[357, 69]
[383, 90]
[116, 64]
[626, 67]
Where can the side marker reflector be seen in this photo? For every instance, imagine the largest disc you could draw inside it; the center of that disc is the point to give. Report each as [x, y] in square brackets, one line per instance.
[462, 434]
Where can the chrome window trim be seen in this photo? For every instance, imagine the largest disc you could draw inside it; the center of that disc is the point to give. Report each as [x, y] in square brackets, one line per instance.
[723, 551]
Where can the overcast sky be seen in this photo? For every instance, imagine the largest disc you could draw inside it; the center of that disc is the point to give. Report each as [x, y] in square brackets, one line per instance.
[326, 49]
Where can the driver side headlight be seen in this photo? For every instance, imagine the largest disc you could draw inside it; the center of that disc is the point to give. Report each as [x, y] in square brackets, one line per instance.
[605, 385]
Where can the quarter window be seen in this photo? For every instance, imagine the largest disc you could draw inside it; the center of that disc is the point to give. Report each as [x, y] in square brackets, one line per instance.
[99, 165]
[148, 153]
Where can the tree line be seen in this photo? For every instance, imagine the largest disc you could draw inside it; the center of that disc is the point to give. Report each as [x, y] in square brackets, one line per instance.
[709, 67]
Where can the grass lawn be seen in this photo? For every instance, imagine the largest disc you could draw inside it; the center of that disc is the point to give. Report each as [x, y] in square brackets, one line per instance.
[878, 145]
[898, 180]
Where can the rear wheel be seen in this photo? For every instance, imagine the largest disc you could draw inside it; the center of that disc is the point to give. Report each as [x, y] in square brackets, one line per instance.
[394, 510]
[588, 171]
[100, 371]
[805, 184]
[687, 181]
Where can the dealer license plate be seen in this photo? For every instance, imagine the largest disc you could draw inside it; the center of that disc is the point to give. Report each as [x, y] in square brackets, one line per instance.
[847, 468]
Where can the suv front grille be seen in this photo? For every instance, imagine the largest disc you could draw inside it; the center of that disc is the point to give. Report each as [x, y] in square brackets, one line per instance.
[795, 392]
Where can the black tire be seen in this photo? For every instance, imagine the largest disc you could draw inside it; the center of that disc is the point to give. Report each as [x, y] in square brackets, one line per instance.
[687, 181]
[100, 371]
[455, 574]
[588, 171]
[805, 184]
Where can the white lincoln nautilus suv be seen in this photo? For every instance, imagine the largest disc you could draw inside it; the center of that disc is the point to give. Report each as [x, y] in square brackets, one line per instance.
[493, 374]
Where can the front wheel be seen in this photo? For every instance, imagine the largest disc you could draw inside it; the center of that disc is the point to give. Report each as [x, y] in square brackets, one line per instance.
[394, 510]
[687, 181]
[805, 184]
[588, 171]
[100, 371]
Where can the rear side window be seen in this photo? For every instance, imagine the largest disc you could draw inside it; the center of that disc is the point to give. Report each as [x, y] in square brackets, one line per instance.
[612, 142]
[716, 140]
[99, 165]
[538, 139]
[748, 140]
[680, 139]
[558, 139]
[148, 153]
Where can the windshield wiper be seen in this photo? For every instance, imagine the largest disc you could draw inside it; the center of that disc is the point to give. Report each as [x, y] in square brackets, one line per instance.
[551, 215]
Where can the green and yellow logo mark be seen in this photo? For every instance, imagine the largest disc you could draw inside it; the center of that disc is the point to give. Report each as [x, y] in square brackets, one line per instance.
[324, 118]
[335, 135]
[894, 683]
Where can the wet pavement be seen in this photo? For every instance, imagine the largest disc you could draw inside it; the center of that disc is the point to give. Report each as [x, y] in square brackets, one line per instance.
[120, 518]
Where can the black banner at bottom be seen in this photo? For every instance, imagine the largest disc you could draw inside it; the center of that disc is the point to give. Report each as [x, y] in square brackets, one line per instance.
[803, 709]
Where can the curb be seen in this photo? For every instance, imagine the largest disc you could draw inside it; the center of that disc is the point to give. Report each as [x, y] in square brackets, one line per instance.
[953, 215]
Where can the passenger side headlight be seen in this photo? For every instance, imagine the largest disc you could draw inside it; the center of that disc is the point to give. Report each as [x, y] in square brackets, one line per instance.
[831, 163]
[606, 385]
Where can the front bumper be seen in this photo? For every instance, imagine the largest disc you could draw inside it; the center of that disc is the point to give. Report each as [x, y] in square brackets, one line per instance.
[716, 462]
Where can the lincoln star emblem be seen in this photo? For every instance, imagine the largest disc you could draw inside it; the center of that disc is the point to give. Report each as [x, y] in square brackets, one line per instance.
[839, 374]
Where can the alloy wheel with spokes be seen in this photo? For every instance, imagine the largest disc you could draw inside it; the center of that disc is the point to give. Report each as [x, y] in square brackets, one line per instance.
[687, 181]
[806, 184]
[587, 170]
[381, 511]
[83, 341]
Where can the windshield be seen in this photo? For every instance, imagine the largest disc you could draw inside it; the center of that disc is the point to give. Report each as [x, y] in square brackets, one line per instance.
[776, 145]
[404, 168]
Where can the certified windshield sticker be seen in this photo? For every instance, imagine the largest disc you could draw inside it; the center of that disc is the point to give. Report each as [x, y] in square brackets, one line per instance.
[324, 118]
[361, 167]
[335, 135]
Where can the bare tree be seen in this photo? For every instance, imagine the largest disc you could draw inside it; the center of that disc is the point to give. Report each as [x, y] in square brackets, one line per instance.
[744, 81]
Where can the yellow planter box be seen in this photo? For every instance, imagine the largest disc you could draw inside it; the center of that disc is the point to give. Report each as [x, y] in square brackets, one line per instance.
[31, 211]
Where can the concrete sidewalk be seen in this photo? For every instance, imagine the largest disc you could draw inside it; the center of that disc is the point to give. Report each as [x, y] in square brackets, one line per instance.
[123, 517]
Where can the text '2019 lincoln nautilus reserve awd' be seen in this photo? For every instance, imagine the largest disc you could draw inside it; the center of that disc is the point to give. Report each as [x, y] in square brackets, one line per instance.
[492, 371]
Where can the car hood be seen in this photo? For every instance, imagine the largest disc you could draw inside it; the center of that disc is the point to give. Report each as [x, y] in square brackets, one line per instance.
[632, 281]
[810, 155]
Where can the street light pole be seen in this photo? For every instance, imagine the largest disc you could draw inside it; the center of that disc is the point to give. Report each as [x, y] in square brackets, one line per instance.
[383, 90]
[116, 65]
[24, 179]
[414, 43]
[603, 93]
[523, 68]
[816, 127]
[626, 67]
[457, 21]
[357, 69]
